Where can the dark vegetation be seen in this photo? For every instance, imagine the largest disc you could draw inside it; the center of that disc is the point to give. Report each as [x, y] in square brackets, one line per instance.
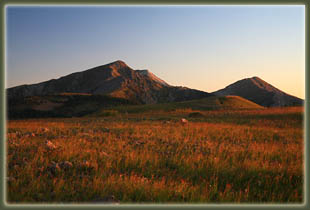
[68, 105]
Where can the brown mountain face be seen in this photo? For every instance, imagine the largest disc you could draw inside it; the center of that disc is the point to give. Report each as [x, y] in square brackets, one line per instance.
[260, 92]
[114, 79]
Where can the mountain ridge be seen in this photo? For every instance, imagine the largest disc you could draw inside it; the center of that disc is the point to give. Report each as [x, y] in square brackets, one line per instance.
[115, 79]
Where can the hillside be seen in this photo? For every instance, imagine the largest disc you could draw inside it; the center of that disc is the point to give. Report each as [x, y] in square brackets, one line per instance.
[260, 92]
[205, 104]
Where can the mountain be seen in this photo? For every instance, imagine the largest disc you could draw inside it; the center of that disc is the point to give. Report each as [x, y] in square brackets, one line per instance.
[260, 92]
[115, 79]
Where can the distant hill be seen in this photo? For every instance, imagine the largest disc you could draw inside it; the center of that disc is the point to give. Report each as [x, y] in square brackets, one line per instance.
[115, 79]
[260, 92]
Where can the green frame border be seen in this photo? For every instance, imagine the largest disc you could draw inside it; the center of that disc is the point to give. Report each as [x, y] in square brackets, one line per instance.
[3, 4]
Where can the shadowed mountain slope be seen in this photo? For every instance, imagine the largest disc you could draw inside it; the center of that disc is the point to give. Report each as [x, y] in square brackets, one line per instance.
[260, 92]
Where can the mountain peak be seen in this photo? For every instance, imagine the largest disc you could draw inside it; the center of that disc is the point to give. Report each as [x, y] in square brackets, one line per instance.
[262, 84]
[118, 64]
[259, 91]
[256, 78]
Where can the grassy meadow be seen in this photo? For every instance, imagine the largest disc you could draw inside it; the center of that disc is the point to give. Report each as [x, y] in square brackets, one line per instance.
[219, 156]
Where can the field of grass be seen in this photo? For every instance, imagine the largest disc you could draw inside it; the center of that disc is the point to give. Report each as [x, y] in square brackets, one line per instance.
[241, 156]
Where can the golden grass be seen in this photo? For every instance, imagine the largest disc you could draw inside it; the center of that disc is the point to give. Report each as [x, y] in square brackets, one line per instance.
[140, 158]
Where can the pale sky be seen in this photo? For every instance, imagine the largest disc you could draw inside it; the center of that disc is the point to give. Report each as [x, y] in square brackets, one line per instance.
[200, 47]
